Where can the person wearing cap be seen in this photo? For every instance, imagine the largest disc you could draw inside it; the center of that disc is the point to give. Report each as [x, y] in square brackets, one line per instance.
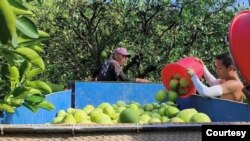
[111, 69]
[227, 86]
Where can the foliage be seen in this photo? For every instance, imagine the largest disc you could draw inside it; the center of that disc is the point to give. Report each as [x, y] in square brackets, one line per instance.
[20, 62]
[56, 87]
[155, 32]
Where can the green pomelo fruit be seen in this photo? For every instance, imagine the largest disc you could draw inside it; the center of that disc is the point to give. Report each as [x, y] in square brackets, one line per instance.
[89, 108]
[147, 113]
[96, 111]
[155, 111]
[175, 119]
[69, 119]
[103, 105]
[172, 96]
[200, 117]
[161, 95]
[115, 106]
[70, 110]
[163, 105]
[61, 113]
[148, 107]
[97, 117]
[120, 109]
[182, 91]
[57, 120]
[155, 115]
[79, 115]
[86, 121]
[103, 54]
[121, 103]
[133, 106]
[162, 111]
[154, 120]
[176, 76]
[104, 120]
[129, 116]
[139, 111]
[171, 111]
[115, 120]
[170, 103]
[156, 105]
[183, 82]
[164, 119]
[108, 110]
[145, 118]
[186, 114]
[136, 103]
[173, 83]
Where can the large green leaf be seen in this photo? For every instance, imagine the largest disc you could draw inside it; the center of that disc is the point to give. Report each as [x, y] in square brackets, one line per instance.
[20, 92]
[35, 99]
[46, 105]
[8, 55]
[31, 107]
[26, 41]
[24, 70]
[17, 4]
[4, 32]
[27, 27]
[31, 55]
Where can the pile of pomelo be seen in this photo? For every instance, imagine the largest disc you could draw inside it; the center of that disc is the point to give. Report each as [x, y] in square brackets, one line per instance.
[132, 112]
[178, 86]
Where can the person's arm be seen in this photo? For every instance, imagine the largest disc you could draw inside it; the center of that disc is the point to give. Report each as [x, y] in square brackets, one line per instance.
[207, 75]
[123, 77]
[210, 78]
[202, 89]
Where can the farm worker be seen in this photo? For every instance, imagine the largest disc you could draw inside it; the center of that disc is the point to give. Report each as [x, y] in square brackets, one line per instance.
[111, 69]
[227, 86]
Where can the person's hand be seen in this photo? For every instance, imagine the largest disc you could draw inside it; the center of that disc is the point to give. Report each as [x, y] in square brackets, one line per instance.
[190, 72]
[146, 80]
[200, 61]
[142, 80]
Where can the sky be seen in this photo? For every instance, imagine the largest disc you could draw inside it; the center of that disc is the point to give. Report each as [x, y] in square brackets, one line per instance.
[244, 2]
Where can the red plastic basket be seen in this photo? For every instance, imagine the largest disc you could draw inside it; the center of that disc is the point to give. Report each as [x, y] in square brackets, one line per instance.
[239, 43]
[180, 68]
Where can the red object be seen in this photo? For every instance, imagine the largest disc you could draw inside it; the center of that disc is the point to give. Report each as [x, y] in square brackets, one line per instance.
[180, 67]
[239, 43]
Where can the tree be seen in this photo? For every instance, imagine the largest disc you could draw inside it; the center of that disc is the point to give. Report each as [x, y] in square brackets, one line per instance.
[155, 32]
[20, 43]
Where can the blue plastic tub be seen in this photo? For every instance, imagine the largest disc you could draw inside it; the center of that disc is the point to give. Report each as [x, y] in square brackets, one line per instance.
[95, 93]
[22, 115]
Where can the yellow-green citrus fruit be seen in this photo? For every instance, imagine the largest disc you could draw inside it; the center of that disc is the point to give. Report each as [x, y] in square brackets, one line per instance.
[173, 83]
[161, 95]
[176, 76]
[171, 111]
[172, 96]
[182, 91]
[186, 114]
[183, 82]
[129, 116]
[200, 117]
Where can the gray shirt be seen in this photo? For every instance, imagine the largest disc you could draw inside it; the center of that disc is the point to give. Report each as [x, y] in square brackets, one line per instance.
[112, 71]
